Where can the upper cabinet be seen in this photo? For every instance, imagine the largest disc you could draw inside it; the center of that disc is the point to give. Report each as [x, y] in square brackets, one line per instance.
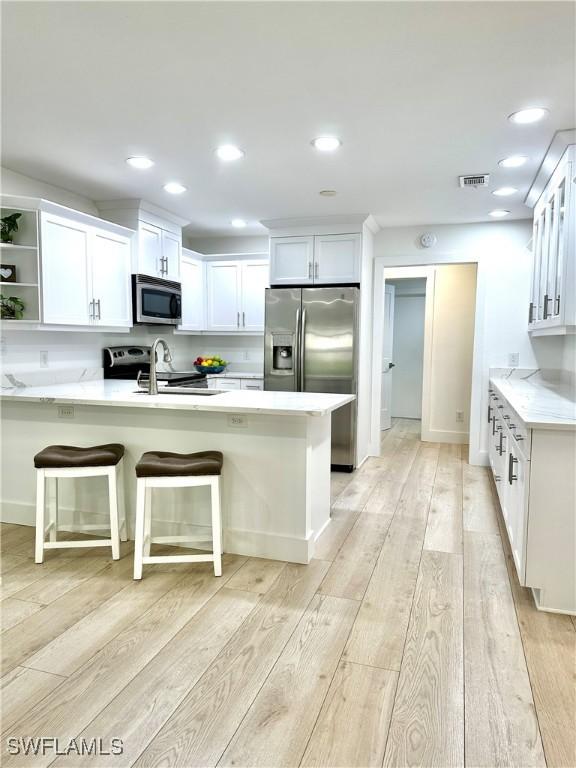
[193, 292]
[553, 301]
[85, 272]
[235, 295]
[315, 259]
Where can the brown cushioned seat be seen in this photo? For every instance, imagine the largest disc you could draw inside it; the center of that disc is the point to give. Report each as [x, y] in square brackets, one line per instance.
[165, 464]
[70, 456]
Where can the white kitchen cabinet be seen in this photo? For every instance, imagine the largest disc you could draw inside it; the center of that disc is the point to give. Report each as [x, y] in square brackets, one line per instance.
[171, 254]
[158, 252]
[85, 273]
[64, 266]
[315, 260]
[193, 292]
[223, 287]
[252, 384]
[291, 260]
[225, 383]
[553, 301]
[235, 295]
[254, 282]
[337, 258]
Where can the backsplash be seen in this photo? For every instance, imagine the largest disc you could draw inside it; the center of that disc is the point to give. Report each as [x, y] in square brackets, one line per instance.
[43, 357]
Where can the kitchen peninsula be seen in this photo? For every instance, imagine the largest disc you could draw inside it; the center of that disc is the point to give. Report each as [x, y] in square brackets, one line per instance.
[276, 446]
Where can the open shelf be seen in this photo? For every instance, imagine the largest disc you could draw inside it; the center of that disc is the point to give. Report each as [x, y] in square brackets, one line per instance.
[18, 285]
[23, 256]
[15, 247]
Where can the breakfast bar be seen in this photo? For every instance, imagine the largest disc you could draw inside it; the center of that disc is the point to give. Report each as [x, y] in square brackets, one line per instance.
[276, 447]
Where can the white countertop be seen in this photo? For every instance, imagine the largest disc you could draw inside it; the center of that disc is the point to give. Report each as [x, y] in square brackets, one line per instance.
[541, 404]
[122, 393]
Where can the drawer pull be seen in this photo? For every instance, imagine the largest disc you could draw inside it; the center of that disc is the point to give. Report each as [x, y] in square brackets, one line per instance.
[511, 462]
[518, 438]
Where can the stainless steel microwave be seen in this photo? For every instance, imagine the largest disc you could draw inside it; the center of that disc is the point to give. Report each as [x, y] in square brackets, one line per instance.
[156, 301]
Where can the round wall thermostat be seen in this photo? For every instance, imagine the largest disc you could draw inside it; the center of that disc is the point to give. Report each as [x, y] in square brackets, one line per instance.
[427, 240]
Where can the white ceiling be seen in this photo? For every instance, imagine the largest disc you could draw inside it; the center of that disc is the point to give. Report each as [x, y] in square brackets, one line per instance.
[418, 92]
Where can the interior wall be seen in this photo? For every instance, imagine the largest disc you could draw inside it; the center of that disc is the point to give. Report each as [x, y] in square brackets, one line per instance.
[13, 183]
[232, 244]
[408, 347]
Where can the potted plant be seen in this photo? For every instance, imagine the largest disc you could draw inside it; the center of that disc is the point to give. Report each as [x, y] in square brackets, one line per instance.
[9, 226]
[11, 308]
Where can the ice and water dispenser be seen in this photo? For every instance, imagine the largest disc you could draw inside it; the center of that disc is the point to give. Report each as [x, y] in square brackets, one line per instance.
[282, 352]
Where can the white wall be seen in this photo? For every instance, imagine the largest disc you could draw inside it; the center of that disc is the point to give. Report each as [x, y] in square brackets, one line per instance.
[13, 183]
[232, 244]
[408, 347]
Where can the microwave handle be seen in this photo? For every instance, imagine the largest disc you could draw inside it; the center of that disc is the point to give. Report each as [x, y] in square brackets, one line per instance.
[175, 306]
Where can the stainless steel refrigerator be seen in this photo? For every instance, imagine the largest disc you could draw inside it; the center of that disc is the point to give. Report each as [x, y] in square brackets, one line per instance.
[311, 345]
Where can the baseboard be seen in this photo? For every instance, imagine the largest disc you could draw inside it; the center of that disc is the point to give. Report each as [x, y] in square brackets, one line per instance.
[271, 545]
[445, 436]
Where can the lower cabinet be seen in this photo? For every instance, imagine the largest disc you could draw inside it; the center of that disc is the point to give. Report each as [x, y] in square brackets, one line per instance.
[534, 478]
[229, 383]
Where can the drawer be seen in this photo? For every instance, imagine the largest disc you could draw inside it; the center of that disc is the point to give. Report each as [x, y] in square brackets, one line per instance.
[257, 384]
[224, 383]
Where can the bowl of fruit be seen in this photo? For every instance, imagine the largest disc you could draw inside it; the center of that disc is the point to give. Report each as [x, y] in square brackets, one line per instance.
[213, 364]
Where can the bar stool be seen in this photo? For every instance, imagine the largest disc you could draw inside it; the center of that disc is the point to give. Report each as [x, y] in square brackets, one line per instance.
[67, 461]
[158, 469]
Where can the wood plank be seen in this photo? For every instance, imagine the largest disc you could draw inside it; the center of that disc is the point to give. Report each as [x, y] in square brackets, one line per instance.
[427, 726]
[501, 723]
[9, 561]
[71, 649]
[278, 725]
[199, 731]
[444, 531]
[29, 573]
[550, 649]
[352, 728]
[352, 567]
[83, 695]
[164, 683]
[479, 506]
[70, 574]
[12, 536]
[338, 482]
[379, 632]
[19, 643]
[334, 535]
[256, 575]
[14, 611]
[20, 688]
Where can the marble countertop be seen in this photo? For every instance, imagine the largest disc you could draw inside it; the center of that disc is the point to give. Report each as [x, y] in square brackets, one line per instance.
[122, 393]
[540, 403]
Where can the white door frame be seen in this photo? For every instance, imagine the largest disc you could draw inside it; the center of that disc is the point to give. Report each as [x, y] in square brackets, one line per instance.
[477, 452]
[386, 375]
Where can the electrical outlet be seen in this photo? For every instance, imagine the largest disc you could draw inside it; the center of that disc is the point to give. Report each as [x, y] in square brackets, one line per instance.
[236, 420]
[513, 359]
[460, 416]
[65, 411]
[43, 358]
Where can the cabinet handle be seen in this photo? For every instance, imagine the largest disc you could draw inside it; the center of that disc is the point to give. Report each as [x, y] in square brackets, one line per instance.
[316, 270]
[518, 438]
[545, 307]
[99, 313]
[497, 478]
[244, 319]
[500, 446]
[557, 309]
[489, 414]
[309, 270]
[531, 313]
[91, 310]
[511, 462]
[238, 319]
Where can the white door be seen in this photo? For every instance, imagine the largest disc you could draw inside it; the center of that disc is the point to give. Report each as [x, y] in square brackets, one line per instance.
[171, 252]
[337, 258]
[193, 294]
[254, 283]
[110, 272]
[291, 260]
[149, 250]
[387, 364]
[64, 256]
[223, 285]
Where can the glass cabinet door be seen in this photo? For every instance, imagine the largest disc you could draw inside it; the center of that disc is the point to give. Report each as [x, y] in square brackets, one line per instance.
[535, 309]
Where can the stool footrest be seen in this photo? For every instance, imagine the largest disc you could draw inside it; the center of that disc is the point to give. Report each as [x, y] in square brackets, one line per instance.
[70, 544]
[178, 559]
[176, 540]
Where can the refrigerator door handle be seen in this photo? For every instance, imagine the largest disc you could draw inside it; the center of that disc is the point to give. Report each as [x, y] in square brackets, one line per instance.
[302, 346]
[297, 352]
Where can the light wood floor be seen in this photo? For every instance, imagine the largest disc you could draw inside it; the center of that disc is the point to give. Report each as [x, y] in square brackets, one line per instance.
[406, 642]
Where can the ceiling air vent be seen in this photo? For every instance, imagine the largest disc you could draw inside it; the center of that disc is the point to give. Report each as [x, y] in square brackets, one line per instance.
[476, 180]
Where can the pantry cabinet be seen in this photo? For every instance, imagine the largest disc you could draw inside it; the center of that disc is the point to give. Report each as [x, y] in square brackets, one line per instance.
[315, 259]
[235, 295]
[552, 307]
[85, 273]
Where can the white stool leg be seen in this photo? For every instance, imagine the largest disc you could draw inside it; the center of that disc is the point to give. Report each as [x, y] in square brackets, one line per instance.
[53, 507]
[113, 502]
[147, 522]
[121, 500]
[139, 526]
[216, 525]
[40, 506]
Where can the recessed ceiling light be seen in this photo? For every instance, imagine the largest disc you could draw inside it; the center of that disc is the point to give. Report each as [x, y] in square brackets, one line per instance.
[238, 223]
[499, 213]
[174, 188]
[229, 152]
[505, 191]
[326, 143]
[514, 161]
[530, 115]
[327, 192]
[140, 162]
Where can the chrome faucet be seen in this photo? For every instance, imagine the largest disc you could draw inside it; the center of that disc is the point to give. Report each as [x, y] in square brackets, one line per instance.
[152, 381]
